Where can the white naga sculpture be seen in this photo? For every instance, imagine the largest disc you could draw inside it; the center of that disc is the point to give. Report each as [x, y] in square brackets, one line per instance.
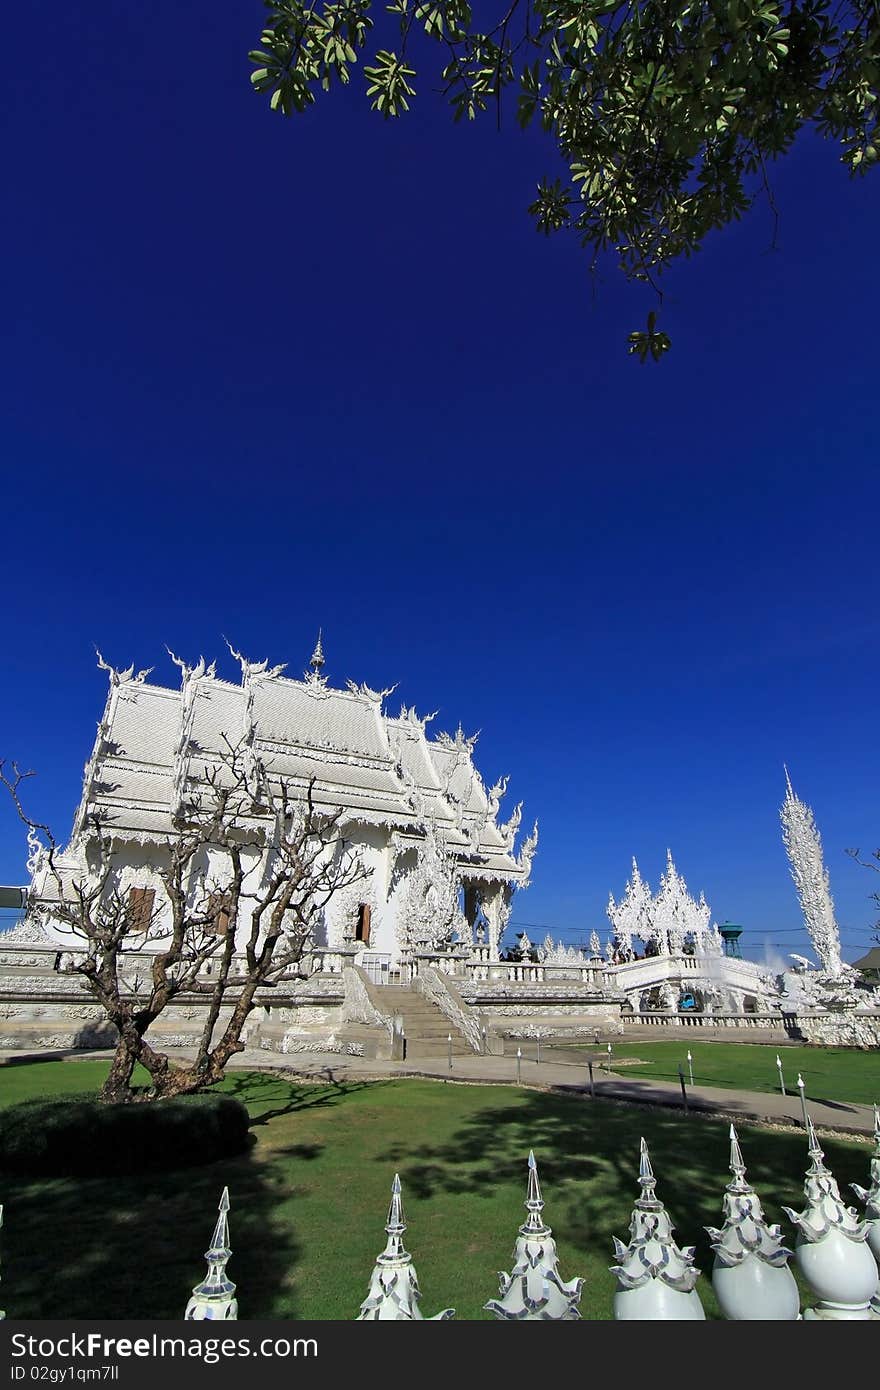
[803, 846]
[534, 1290]
[750, 1276]
[655, 1278]
[832, 1246]
[214, 1298]
[394, 1286]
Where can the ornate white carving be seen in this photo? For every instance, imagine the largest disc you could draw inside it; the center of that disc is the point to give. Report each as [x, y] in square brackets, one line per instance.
[750, 1276]
[36, 853]
[534, 1291]
[429, 916]
[803, 846]
[655, 1278]
[251, 670]
[832, 1249]
[525, 857]
[494, 795]
[394, 1293]
[375, 697]
[509, 829]
[552, 952]
[126, 677]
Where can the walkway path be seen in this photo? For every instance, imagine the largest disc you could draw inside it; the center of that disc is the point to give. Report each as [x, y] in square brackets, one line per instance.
[842, 1117]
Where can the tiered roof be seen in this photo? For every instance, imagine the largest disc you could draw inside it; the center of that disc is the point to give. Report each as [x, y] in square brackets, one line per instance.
[381, 770]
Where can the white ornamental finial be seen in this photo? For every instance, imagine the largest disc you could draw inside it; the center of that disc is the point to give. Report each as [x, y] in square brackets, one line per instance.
[394, 1286]
[803, 845]
[832, 1250]
[534, 1291]
[36, 850]
[526, 855]
[317, 658]
[871, 1199]
[126, 677]
[655, 1278]
[214, 1299]
[751, 1277]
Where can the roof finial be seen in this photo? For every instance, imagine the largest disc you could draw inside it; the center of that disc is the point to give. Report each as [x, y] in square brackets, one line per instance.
[317, 659]
[647, 1181]
[214, 1298]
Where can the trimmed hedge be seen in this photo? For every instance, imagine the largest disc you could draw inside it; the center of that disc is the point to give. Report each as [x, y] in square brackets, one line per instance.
[77, 1135]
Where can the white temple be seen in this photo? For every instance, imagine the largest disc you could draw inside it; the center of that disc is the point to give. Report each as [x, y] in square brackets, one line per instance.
[426, 916]
[415, 809]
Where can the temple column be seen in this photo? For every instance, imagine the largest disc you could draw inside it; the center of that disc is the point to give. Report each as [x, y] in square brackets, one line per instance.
[496, 906]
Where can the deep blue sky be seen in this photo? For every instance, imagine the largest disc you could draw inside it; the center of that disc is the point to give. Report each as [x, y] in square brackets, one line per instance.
[261, 376]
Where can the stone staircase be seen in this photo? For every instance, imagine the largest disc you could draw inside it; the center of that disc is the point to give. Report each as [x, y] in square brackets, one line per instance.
[427, 1029]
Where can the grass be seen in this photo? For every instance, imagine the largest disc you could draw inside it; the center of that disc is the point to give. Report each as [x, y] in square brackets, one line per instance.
[309, 1201]
[830, 1073]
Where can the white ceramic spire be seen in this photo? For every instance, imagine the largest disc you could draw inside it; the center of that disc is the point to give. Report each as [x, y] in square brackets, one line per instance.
[871, 1199]
[832, 1250]
[394, 1286]
[750, 1276]
[803, 845]
[534, 1290]
[655, 1278]
[214, 1298]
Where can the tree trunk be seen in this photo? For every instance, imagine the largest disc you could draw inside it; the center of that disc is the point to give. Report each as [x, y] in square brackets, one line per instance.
[117, 1087]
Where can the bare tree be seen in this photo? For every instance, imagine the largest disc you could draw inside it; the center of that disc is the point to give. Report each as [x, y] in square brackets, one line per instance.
[223, 934]
[875, 865]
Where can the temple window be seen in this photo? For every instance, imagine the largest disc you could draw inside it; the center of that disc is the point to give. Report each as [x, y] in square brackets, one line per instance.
[139, 909]
[362, 931]
[219, 908]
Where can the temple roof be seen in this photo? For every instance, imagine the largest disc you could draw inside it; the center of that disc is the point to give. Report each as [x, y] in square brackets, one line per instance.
[383, 770]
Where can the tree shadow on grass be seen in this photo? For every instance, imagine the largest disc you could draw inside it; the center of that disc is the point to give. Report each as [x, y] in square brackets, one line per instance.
[269, 1095]
[133, 1246]
[588, 1158]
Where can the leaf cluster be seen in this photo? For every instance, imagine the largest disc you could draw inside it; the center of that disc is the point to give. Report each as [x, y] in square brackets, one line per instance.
[664, 113]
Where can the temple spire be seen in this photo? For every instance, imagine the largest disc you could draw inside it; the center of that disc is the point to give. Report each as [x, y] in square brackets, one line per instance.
[317, 658]
[214, 1298]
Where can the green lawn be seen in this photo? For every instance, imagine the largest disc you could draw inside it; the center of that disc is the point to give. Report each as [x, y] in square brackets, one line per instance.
[830, 1073]
[309, 1201]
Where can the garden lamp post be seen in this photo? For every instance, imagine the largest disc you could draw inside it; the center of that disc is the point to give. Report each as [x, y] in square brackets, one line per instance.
[449, 1045]
[801, 1088]
[691, 1066]
[781, 1077]
[518, 1065]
